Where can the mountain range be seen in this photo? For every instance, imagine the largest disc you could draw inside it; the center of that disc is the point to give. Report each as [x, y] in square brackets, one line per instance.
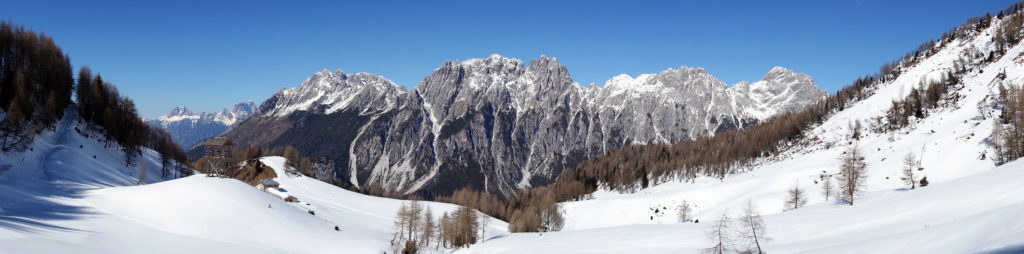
[187, 127]
[498, 124]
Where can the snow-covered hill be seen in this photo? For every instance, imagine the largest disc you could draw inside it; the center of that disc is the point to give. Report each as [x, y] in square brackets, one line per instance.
[58, 198]
[974, 214]
[971, 206]
[188, 128]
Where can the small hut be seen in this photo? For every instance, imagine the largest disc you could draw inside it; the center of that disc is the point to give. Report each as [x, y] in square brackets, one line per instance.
[218, 147]
[268, 183]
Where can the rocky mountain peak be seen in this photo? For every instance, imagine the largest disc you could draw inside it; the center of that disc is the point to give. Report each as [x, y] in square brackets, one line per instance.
[328, 92]
[779, 78]
[777, 72]
[180, 111]
[780, 90]
[546, 73]
[247, 107]
[681, 79]
[546, 63]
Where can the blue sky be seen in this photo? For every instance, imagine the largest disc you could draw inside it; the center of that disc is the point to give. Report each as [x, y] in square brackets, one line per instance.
[210, 54]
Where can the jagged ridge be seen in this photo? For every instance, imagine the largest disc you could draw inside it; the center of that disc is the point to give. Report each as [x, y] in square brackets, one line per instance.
[187, 127]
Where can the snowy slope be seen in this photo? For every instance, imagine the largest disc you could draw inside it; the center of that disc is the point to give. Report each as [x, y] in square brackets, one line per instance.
[971, 206]
[60, 199]
[951, 141]
[949, 217]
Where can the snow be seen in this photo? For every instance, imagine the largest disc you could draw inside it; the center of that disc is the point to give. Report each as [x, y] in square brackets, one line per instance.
[176, 118]
[946, 217]
[335, 91]
[227, 117]
[61, 199]
[970, 206]
[57, 198]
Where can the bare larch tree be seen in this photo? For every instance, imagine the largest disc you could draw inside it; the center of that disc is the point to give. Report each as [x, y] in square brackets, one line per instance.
[796, 197]
[719, 235]
[852, 174]
[909, 165]
[827, 188]
[684, 211]
[752, 228]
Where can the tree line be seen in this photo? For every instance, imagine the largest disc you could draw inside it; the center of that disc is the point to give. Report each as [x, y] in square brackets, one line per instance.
[530, 210]
[918, 102]
[1010, 31]
[416, 228]
[101, 105]
[1008, 127]
[36, 86]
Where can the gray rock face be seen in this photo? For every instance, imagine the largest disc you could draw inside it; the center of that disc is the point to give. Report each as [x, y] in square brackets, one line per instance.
[499, 125]
[188, 128]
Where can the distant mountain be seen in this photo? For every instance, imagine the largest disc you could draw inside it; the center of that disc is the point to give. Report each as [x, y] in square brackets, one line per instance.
[188, 128]
[498, 124]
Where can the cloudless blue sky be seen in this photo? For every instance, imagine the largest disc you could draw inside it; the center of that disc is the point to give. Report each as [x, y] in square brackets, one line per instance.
[210, 54]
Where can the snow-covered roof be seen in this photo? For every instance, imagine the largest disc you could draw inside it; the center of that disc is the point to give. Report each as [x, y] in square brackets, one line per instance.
[269, 182]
